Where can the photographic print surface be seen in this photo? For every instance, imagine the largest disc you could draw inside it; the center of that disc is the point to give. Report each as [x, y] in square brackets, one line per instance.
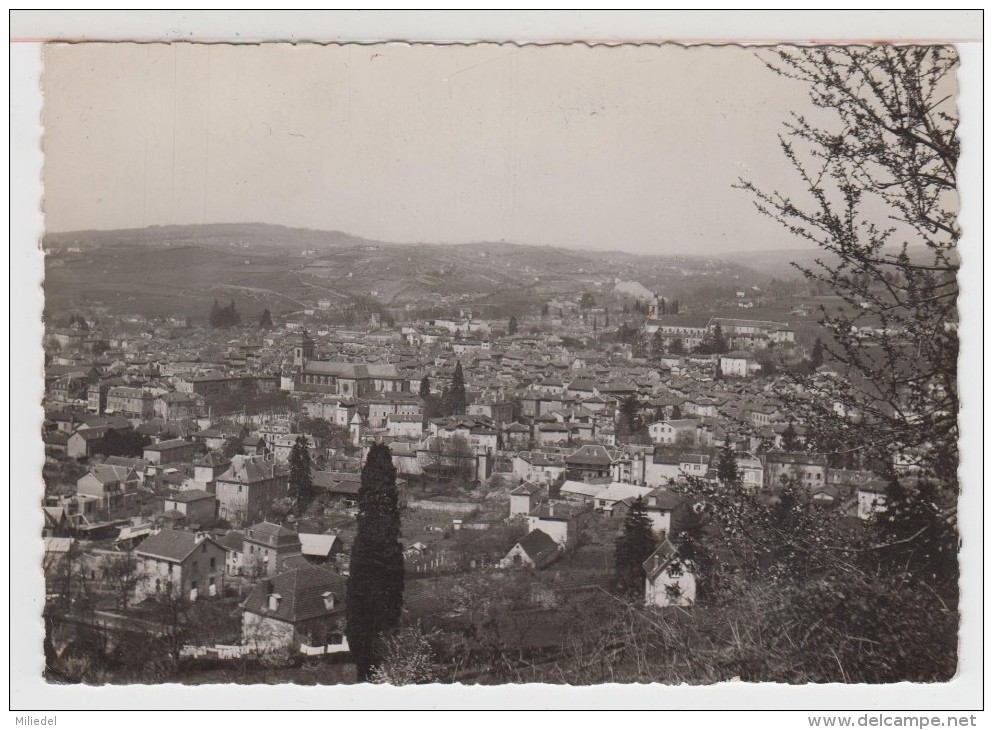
[493, 364]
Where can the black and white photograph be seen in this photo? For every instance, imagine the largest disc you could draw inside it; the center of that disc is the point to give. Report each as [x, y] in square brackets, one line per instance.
[497, 364]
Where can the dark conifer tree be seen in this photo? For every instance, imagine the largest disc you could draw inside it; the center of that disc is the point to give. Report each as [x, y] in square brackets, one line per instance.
[728, 472]
[719, 343]
[455, 401]
[791, 441]
[658, 344]
[216, 317]
[425, 389]
[376, 574]
[301, 480]
[265, 320]
[817, 354]
[512, 325]
[634, 546]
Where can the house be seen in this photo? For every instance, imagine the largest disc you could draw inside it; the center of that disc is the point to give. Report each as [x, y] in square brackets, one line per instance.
[669, 513]
[591, 461]
[615, 492]
[694, 465]
[416, 551]
[320, 549]
[207, 468]
[538, 466]
[739, 364]
[535, 550]
[85, 442]
[400, 425]
[871, 499]
[303, 607]
[338, 484]
[583, 491]
[809, 469]
[195, 505]
[114, 487]
[552, 433]
[247, 489]
[266, 547]
[182, 563]
[178, 406]
[560, 521]
[233, 543]
[669, 580]
[524, 498]
[130, 402]
[169, 452]
[673, 431]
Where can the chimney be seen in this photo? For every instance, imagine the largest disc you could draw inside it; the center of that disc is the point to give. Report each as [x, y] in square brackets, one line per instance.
[328, 597]
[274, 599]
[551, 509]
[655, 563]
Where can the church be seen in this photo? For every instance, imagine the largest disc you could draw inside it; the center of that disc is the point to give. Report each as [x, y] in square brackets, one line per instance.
[346, 379]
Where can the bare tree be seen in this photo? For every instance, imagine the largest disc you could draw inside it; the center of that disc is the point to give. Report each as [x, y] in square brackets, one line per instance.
[876, 162]
[124, 575]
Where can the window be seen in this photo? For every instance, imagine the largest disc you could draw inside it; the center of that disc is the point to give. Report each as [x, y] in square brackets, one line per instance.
[213, 564]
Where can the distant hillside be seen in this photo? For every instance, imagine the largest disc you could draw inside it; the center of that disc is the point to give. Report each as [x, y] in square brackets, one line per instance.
[778, 264]
[181, 269]
[256, 236]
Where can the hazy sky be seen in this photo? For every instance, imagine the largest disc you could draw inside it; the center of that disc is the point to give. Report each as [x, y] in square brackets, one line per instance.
[632, 148]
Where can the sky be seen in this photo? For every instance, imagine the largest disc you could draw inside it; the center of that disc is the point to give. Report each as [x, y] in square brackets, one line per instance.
[628, 148]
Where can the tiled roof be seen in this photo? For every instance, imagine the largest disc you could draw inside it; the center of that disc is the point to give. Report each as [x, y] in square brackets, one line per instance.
[301, 592]
[592, 454]
[173, 545]
[190, 495]
[538, 544]
[166, 445]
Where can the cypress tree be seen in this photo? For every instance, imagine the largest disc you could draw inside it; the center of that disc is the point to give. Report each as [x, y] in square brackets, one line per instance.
[791, 441]
[456, 393]
[215, 315]
[634, 547]
[425, 390]
[301, 483]
[817, 354]
[265, 320]
[728, 472]
[512, 325]
[375, 580]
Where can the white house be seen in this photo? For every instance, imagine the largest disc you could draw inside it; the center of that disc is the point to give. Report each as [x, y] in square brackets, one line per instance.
[669, 580]
[871, 499]
[560, 521]
[524, 498]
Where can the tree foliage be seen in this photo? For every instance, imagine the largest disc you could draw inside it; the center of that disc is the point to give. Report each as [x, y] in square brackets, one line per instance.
[376, 571]
[454, 397]
[877, 170]
[265, 320]
[224, 317]
[122, 442]
[634, 546]
[301, 480]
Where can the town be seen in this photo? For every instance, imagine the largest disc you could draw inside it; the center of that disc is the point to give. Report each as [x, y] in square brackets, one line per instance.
[520, 445]
[496, 364]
